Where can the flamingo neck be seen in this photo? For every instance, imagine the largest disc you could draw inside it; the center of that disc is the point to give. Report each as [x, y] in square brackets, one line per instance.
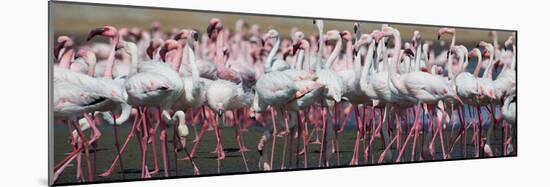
[478, 65]
[349, 53]
[219, 59]
[176, 59]
[417, 56]
[307, 60]
[66, 58]
[300, 60]
[366, 67]
[91, 61]
[334, 53]
[272, 53]
[489, 71]
[395, 62]
[449, 66]
[111, 59]
[321, 49]
[194, 68]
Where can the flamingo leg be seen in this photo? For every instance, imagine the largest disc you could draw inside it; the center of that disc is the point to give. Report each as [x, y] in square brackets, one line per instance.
[414, 129]
[119, 154]
[358, 122]
[117, 145]
[238, 139]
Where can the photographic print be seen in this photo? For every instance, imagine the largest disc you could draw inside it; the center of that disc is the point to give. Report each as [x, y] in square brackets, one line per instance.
[140, 93]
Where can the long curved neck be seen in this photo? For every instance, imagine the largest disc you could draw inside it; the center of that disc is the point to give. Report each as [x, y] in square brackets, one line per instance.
[194, 68]
[489, 71]
[395, 63]
[176, 60]
[418, 57]
[449, 66]
[464, 63]
[219, 59]
[66, 58]
[334, 54]
[349, 53]
[272, 53]
[453, 39]
[478, 65]
[321, 49]
[300, 60]
[133, 52]
[513, 65]
[91, 61]
[111, 59]
[366, 67]
[307, 60]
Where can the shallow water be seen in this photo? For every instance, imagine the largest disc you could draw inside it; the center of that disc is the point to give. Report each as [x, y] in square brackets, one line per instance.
[233, 163]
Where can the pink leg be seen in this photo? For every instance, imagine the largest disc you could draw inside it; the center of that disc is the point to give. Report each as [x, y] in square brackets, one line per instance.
[414, 129]
[117, 145]
[164, 144]
[119, 155]
[354, 159]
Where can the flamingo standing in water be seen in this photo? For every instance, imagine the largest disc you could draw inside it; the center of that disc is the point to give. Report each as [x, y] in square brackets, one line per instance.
[334, 87]
[420, 86]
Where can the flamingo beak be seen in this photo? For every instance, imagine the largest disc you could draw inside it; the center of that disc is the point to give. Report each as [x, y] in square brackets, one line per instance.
[219, 112]
[162, 53]
[195, 36]
[178, 36]
[57, 49]
[210, 30]
[150, 51]
[95, 32]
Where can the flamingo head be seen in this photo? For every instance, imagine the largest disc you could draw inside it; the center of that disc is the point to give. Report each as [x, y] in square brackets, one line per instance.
[488, 47]
[186, 34]
[443, 31]
[365, 39]
[319, 23]
[377, 35]
[106, 31]
[219, 109]
[332, 35]
[62, 42]
[214, 27]
[346, 35]
[298, 35]
[509, 41]
[415, 38]
[272, 33]
[168, 46]
[153, 46]
[475, 52]
[155, 26]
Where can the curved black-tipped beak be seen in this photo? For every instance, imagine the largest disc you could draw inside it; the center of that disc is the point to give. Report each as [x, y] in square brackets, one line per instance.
[195, 36]
[162, 54]
[58, 48]
[150, 50]
[95, 32]
[210, 30]
[177, 37]
[314, 22]
[438, 37]
[219, 112]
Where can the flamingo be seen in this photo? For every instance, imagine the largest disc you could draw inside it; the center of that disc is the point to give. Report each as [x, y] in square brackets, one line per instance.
[420, 86]
[334, 86]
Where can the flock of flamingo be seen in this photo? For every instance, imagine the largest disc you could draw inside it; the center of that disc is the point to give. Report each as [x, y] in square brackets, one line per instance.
[393, 91]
